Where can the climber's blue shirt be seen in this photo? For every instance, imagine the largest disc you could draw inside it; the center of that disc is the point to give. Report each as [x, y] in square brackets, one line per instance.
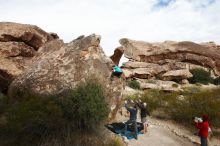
[117, 69]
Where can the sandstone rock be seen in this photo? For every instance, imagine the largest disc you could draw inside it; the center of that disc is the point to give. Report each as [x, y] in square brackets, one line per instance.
[15, 49]
[135, 64]
[117, 55]
[50, 47]
[160, 85]
[142, 73]
[210, 45]
[15, 57]
[29, 34]
[184, 81]
[18, 46]
[128, 73]
[177, 75]
[68, 66]
[138, 69]
[199, 54]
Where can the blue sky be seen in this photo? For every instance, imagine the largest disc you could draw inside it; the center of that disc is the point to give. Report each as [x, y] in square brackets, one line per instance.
[148, 20]
[163, 3]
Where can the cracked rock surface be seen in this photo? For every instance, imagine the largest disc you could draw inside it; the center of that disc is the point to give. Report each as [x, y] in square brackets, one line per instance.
[19, 43]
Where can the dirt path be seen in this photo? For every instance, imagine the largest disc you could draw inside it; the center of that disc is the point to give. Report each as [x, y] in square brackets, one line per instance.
[165, 133]
[159, 136]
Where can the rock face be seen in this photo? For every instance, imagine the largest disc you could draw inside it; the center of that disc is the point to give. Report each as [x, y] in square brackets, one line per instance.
[177, 74]
[169, 60]
[66, 67]
[117, 55]
[18, 45]
[29, 34]
[159, 85]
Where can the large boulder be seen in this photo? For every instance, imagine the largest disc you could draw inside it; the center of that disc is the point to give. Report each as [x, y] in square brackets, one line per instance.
[177, 75]
[149, 70]
[29, 34]
[18, 46]
[206, 55]
[66, 67]
[141, 73]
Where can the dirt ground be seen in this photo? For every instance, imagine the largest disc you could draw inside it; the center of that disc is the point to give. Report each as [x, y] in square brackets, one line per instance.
[159, 136]
[166, 133]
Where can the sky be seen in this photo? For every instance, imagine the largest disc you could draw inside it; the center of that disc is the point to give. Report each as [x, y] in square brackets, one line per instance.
[147, 20]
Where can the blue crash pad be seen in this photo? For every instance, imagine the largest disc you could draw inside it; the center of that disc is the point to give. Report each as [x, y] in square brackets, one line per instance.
[118, 129]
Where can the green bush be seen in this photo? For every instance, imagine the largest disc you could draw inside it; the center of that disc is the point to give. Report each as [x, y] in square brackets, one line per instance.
[32, 120]
[88, 106]
[182, 106]
[175, 85]
[200, 76]
[133, 84]
[197, 104]
[217, 81]
[152, 102]
[154, 98]
[3, 102]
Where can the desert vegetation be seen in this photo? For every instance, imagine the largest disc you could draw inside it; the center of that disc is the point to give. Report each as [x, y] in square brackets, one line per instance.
[182, 106]
[34, 120]
[200, 76]
[133, 84]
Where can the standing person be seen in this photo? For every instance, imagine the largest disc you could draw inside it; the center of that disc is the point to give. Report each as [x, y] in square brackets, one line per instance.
[132, 119]
[144, 113]
[203, 126]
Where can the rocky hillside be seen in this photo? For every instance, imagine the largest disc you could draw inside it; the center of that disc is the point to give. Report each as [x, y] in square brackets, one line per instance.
[169, 60]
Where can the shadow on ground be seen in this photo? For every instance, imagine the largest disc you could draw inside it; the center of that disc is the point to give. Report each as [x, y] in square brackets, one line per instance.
[118, 128]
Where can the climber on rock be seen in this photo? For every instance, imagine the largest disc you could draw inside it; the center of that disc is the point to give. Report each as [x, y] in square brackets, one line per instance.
[116, 71]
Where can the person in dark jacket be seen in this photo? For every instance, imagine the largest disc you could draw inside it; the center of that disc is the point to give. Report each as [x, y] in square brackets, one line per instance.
[144, 112]
[203, 126]
[133, 118]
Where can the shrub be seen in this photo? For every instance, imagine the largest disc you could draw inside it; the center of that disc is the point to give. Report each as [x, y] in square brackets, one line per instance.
[175, 85]
[217, 81]
[3, 102]
[131, 97]
[134, 84]
[151, 98]
[154, 98]
[197, 104]
[200, 76]
[88, 106]
[115, 141]
[32, 120]
[182, 106]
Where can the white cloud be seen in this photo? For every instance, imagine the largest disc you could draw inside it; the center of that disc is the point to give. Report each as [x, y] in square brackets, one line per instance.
[195, 20]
